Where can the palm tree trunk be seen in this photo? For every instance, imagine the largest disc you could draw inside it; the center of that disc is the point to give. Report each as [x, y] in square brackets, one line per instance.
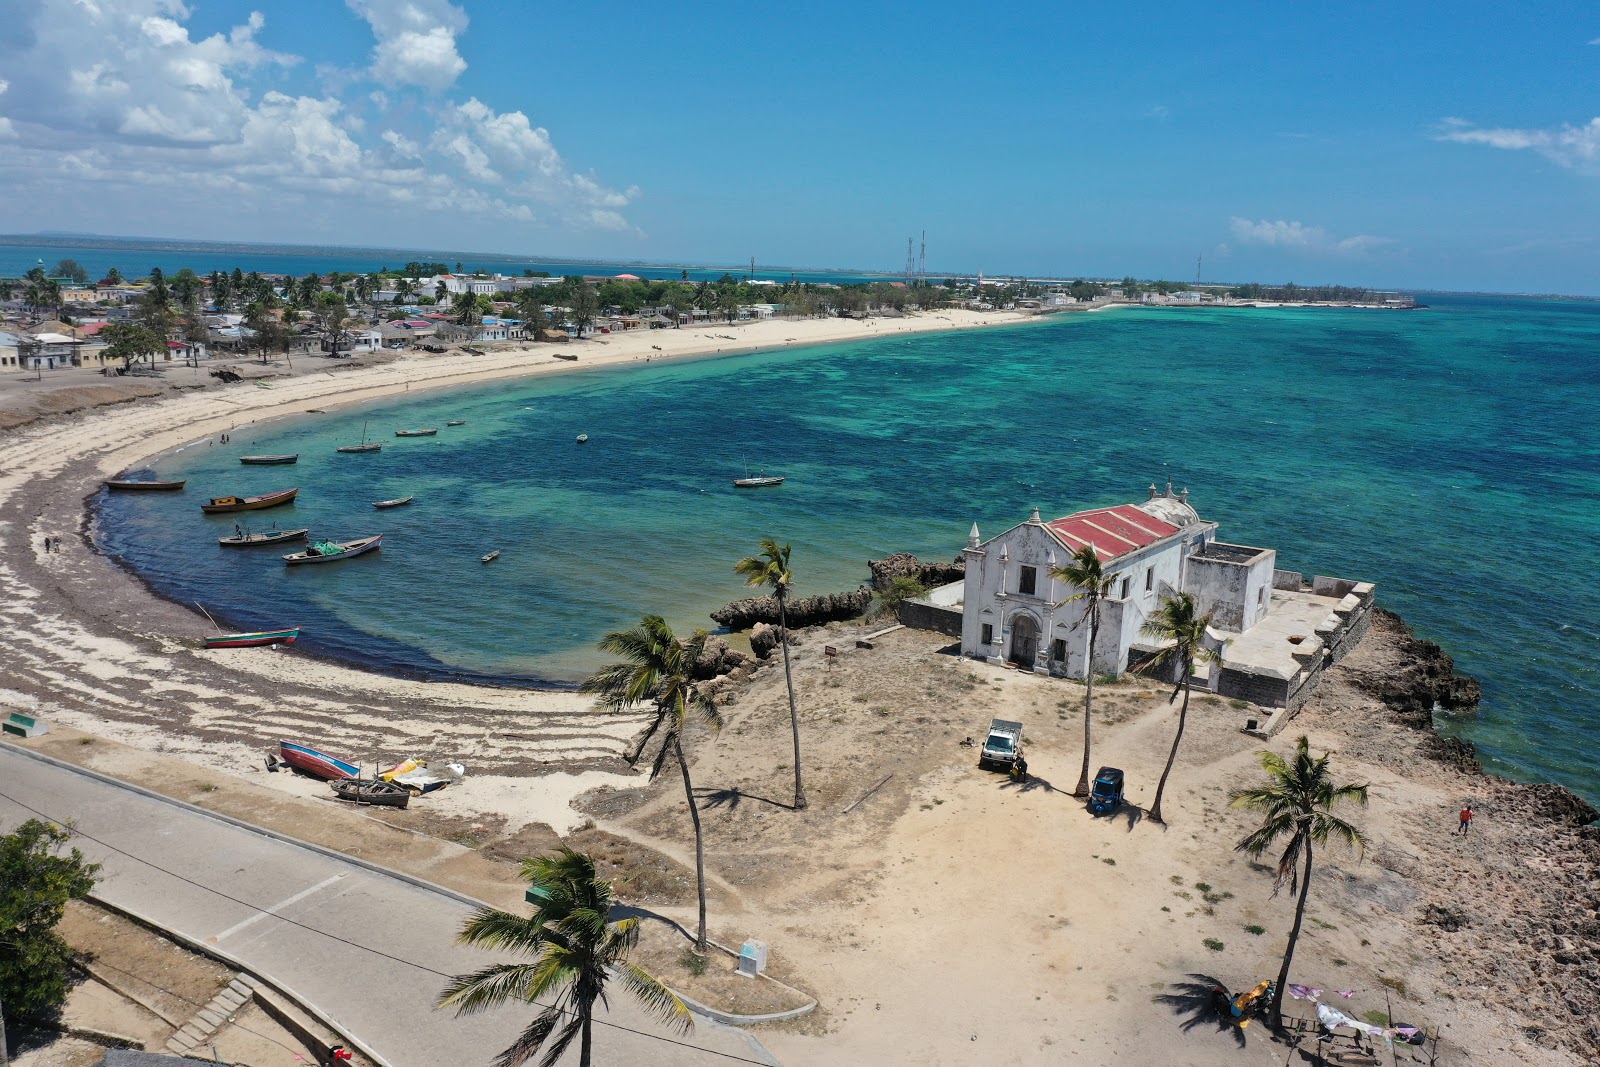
[1088, 698]
[1276, 1017]
[699, 844]
[1183, 717]
[585, 1042]
[794, 710]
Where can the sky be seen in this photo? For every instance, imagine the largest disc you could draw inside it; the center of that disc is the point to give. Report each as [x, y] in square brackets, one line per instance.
[1400, 144]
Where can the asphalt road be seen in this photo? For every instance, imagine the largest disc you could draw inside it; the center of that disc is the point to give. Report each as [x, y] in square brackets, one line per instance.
[371, 951]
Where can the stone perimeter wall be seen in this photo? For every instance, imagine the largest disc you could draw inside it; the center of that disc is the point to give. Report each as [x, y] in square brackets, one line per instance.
[1336, 636]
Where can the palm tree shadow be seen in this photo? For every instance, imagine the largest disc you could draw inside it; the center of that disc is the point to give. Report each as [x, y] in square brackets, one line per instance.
[1132, 813]
[1204, 1000]
[1032, 782]
[731, 797]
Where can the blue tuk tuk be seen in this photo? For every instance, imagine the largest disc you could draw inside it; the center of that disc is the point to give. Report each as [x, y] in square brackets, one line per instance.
[1106, 795]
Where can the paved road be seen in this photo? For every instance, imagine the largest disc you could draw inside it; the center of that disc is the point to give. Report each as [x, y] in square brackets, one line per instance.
[386, 1004]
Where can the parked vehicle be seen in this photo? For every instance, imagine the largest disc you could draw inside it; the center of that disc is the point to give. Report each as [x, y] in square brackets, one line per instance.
[1000, 748]
[1105, 796]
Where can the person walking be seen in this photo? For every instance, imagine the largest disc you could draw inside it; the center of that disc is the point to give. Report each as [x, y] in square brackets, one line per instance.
[1466, 819]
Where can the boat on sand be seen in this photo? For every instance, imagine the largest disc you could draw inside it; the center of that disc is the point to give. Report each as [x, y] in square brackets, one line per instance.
[320, 764]
[331, 551]
[371, 791]
[221, 504]
[285, 636]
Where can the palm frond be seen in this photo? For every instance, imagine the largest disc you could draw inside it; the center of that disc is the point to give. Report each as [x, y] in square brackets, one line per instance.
[656, 998]
[563, 1038]
[488, 987]
[493, 928]
[528, 1042]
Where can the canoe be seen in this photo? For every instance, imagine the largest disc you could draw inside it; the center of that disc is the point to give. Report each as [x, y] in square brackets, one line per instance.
[223, 504]
[272, 537]
[757, 483]
[316, 553]
[415, 433]
[252, 640]
[318, 763]
[563, 355]
[491, 557]
[381, 504]
[151, 486]
[269, 461]
[456, 422]
[371, 791]
[372, 447]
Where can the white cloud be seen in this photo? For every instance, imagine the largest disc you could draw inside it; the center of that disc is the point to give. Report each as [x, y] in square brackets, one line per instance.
[1577, 147]
[416, 41]
[1287, 234]
[403, 145]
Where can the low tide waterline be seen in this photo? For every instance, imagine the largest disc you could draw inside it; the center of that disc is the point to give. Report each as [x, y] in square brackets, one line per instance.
[1449, 455]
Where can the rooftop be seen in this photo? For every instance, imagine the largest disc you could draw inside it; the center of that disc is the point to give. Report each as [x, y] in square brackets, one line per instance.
[1111, 532]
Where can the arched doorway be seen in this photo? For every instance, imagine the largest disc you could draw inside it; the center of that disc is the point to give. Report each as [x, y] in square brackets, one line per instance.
[1024, 641]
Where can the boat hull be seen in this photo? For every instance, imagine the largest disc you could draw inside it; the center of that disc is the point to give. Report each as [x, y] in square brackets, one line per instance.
[382, 504]
[269, 461]
[148, 487]
[359, 448]
[756, 483]
[371, 791]
[415, 433]
[351, 549]
[252, 540]
[226, 504]
[318, 763]
[254, 640]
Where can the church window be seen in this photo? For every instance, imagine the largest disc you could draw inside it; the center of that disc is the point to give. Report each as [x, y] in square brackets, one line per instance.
[1027, 580]
[1125, 588]
[1149, 579]
[988, 633]
[1058, 650]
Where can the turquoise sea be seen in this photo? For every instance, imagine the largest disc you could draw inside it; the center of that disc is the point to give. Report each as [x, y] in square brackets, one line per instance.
[1450, 455]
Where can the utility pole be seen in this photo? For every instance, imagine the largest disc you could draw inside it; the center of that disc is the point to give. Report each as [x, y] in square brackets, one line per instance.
[911, 262]
[922, 260]
[1198, 260]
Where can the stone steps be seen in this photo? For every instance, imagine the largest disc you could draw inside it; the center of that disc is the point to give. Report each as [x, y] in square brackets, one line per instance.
[219, 1012]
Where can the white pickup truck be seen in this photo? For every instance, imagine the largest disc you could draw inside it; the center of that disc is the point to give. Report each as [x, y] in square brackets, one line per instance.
[1000, 748]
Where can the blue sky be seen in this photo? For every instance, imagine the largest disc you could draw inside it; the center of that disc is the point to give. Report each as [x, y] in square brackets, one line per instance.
[1388, 144]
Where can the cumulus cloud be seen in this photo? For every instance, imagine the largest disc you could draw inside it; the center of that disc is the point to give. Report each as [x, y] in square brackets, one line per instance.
[1576, 147]
[416, 41]
[1282, 233]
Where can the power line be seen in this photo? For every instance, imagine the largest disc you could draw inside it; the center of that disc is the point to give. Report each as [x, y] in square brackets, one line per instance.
[354, 944]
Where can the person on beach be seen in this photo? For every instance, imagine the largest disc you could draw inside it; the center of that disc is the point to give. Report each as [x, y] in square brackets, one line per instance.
[1019, 769]
[1466, 820]
[47, 544]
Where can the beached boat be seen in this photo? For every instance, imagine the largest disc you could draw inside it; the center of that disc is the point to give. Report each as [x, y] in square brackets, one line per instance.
[148, 486]
[311, 761]
[759, 481]
[381, 504]
[371, 791]
[416, 433]
[492, 556]
[285, 636]
[271, 537]
[456, 422]
[270, 461]
[569, 357]
[364, 446]
[329, 551]
[221, 504]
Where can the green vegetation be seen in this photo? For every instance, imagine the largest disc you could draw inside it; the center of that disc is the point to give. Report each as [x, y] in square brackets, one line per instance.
[886, 602]
[1255, 928]
[769, 569]
[1213, 944]
[577, 953]
[1084, 573]
[36, 882]
[1176, 620]
[693, 962]
[131, 342]
[1297, 805]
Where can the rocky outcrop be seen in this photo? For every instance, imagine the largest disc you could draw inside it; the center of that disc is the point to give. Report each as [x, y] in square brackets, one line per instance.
[803, 611]
[905, 565]
[1423, 678]
[717, 659]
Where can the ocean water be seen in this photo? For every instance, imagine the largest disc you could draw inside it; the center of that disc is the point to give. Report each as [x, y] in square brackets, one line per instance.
[1449, 455]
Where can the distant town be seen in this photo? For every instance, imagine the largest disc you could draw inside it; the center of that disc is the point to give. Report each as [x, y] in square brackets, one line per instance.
[58, 318]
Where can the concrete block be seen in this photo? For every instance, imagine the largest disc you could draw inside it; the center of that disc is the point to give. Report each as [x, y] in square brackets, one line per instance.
[212, 1017]
[230, 1001]
[177, 1048]
[239, 988]
[193, 1032]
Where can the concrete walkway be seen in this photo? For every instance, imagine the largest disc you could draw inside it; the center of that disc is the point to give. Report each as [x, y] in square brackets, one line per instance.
[384, 1004]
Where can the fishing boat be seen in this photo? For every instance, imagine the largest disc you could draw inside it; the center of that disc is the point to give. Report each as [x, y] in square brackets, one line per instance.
[271, 537]
[364, 446]
[759, 481]
[329, 551]
[285, 636]
[416, 433]
[270, 461]
[456, 422]
[149, 486]
[311, 761]
[371, 791]
[221, 504]
[568, 356]
[491, 557]
[381, 504]
[583, 438]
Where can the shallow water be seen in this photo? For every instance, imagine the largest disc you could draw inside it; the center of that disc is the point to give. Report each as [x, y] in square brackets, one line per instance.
[1449, 455]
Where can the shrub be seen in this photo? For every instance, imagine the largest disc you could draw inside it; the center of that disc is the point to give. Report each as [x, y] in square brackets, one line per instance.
[1213, 944]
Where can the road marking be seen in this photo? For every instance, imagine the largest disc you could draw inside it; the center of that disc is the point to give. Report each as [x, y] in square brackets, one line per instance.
[269, 913]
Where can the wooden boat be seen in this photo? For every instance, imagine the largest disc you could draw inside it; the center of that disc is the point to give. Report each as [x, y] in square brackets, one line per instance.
[566, 356]
[271, 537]
[416, 433]
[456, 422]
[381, 504]
[329, 551]
[149, 486]
[364, 446]
[371, 791]
[221, 504]
[583, 438]
[491, 557]
[311, 761]
[759, 481]
[263, 637]
[269, 461]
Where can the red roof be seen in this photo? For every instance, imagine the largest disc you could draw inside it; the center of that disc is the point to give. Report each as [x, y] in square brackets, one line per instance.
[1111, 532]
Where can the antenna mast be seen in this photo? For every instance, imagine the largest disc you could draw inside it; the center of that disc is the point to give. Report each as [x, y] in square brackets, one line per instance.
[911, 261]
[922, 260]
[1198, 260]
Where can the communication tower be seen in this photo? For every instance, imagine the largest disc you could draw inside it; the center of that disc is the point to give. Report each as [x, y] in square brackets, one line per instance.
[922, 260]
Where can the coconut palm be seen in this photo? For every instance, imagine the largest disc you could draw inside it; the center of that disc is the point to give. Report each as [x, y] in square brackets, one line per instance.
[1094, 585]
[659, 669]
[770, 569]
[1177, 620]
[576, 951]
[1298, 805]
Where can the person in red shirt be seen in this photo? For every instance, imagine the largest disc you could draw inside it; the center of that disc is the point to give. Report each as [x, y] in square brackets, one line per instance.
[1466, 819]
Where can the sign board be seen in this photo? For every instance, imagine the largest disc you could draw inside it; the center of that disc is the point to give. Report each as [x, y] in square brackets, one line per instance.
[829, 650]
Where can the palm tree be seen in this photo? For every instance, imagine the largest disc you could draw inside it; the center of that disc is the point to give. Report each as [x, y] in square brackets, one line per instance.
[1298, 804]
[576, 951]
[1093, 585]
[658, 668]
[770, 568]
[1176, 621]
